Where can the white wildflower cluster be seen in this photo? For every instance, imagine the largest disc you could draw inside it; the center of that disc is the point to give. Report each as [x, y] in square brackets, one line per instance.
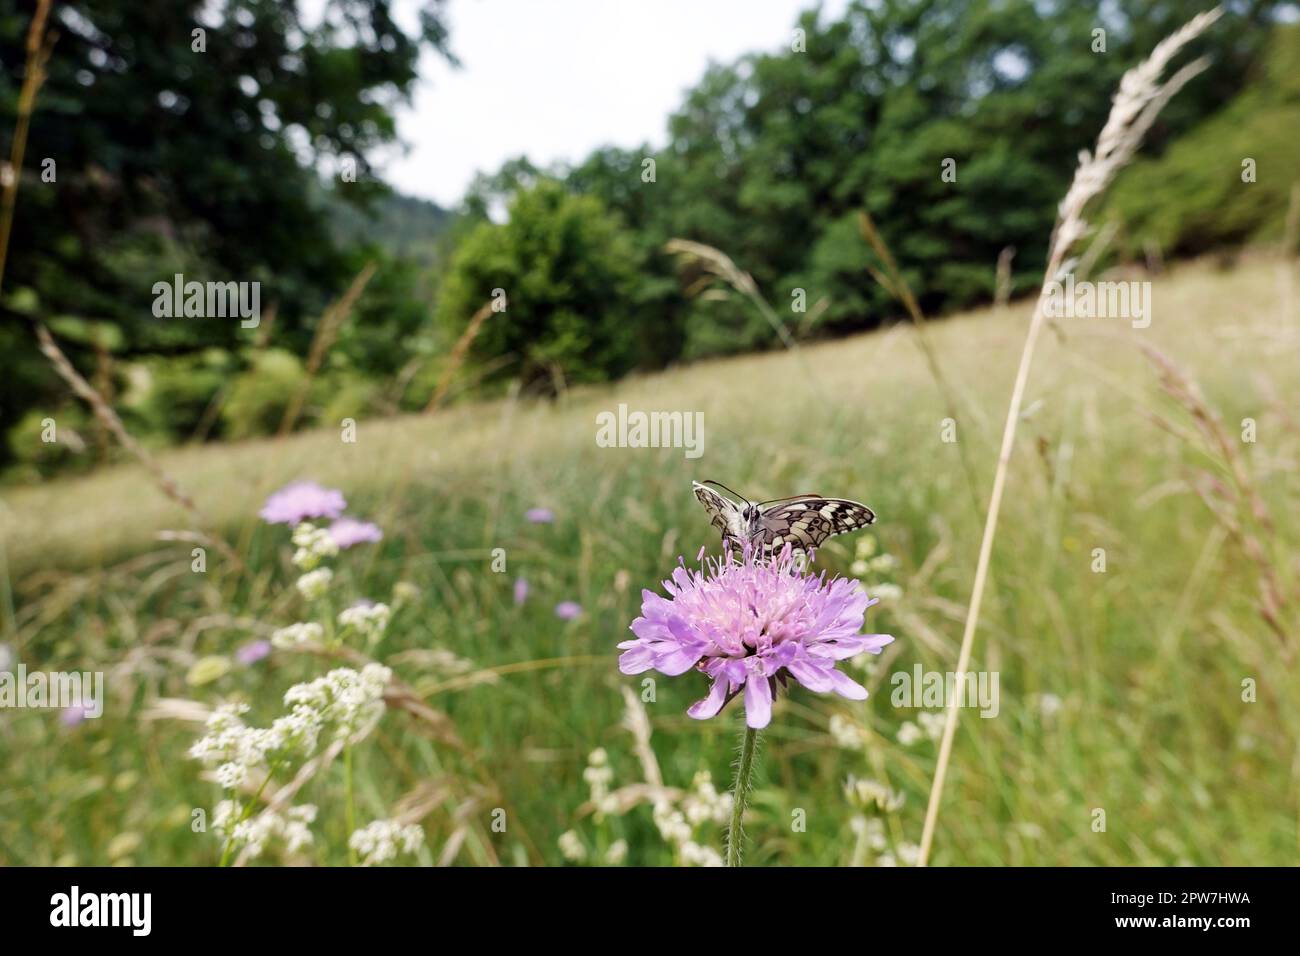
[866, 562]
[314, 584]
[906, 854]
[872, 795]
[846, 733]
[871, 830]
[366, 620]
[382, 840]
[928, 726]
[598, 775]
[571, 847]
[677, 824]
[616, 855]
[236, 749]
[313, 546]
[346, 703]
[289, 831]
[296, 635]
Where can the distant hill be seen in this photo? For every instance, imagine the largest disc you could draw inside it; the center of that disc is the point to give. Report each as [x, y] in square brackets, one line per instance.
[406, 226]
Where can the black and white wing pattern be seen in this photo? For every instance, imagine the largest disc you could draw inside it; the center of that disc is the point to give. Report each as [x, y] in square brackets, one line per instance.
[806, 522]
[726, 515]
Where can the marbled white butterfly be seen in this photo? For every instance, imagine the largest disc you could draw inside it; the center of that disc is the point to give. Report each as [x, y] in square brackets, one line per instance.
[802, 521]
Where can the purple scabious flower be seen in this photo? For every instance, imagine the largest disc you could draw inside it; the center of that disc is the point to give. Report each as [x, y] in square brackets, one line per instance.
[253, 651]
[521, 591]
[751, 624]
[300, 500]
[540, 515]
[568, 610]
[349, 531]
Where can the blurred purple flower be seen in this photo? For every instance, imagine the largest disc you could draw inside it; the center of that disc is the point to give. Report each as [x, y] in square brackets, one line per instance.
[349, 531]
[253, 651]
[521, 590]
[301, 500]
[568, 610]
[73, 715]
[750, 625]
[540, 515]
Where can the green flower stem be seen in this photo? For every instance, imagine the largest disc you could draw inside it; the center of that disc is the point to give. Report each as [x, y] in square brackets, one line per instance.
[352, 807]
[740, 794]
[246, 812]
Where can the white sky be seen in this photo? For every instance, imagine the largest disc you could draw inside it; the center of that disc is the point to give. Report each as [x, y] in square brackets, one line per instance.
[553, 79]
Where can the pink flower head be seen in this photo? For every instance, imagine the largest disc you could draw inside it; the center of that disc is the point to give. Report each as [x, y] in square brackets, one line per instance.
[521, 590]
[349, 531]
[750, 624]
[253, 651]
[301, 500]
[540, 515]
[568, 610]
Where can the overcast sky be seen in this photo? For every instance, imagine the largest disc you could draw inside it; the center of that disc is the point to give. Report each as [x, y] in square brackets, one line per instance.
[554, 79]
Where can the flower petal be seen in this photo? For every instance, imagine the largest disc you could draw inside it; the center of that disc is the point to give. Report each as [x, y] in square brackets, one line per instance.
[758, 703]
[710, 705]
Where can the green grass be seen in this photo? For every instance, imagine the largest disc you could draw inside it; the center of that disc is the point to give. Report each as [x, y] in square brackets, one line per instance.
[1147, 659]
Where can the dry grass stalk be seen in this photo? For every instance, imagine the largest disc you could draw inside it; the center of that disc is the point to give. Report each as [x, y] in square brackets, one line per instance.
[105, 415]
[1140, 98]
[893, 281]
[459, 352]
[1002, 284]
[39, 47]
[718, 264]
[1237, 505]
[326, 332]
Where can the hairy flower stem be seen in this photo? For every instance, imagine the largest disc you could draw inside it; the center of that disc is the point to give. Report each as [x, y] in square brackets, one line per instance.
[740, 794]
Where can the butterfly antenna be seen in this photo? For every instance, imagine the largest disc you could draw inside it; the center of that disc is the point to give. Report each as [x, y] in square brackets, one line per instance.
[728, 490]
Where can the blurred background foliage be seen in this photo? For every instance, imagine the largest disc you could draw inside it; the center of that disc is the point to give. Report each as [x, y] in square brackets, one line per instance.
[230, 165]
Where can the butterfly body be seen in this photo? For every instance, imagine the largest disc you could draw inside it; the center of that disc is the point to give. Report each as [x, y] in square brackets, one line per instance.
[804, 521]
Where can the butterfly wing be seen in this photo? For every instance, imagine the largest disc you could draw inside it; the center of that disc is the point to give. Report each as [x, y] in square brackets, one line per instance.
[723, 512]
[805, 523]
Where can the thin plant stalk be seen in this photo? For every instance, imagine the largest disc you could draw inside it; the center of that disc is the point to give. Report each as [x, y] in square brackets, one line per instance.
[740, 794]
[1140, 97]
[352, 803]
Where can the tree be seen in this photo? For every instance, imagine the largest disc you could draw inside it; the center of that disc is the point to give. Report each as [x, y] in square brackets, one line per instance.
[186, 137]
[567, 270]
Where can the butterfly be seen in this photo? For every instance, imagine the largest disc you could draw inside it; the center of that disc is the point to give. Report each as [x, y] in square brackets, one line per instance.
[802, 521]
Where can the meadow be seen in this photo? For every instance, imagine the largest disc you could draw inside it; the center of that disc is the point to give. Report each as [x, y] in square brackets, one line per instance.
[1121, 689]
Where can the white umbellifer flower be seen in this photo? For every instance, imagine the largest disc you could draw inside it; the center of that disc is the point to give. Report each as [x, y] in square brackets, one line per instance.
[598, 757]
[695, 855]
[368, 620]
[672, 824]
[313, 584]
[886, 859]
[382, 840]
[871, 794]
[884, 562]
[909, 854]
[931, 722]
[230, 775]
[617, 853]
[266, 829]
[886, 591]
[297, 634]
[859, 569]
[846, 733]
[909, 734]
[313, 544]
[347, 702]
[871, 829]
[1049, 705]
[571, 847]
